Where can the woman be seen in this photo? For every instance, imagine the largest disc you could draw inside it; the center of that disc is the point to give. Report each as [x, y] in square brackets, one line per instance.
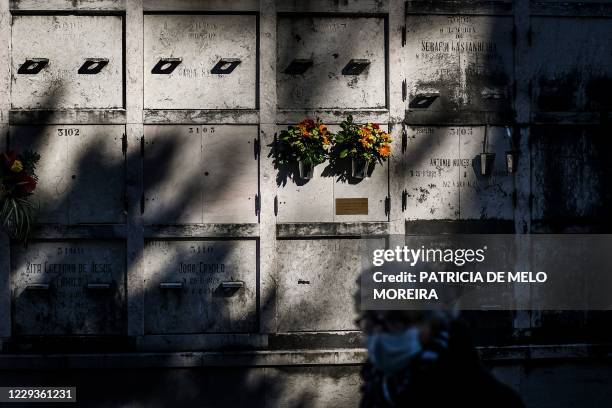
[426, 359]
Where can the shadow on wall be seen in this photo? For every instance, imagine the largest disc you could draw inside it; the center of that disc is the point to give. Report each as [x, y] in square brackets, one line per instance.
[569, 175]
[82, 184]
[95, 195]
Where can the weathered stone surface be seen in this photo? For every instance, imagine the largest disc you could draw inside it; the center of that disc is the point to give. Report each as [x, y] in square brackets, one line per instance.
[201, 42]
[430, 188]
[59, 85]
[307, 200]
[465, 62]
[81, 171]
[443, 174]
[331, 43]
[570, 168]
[485, 197]
[318, 281]
[575, 74]
[195, 174]
[315, 386]
[172, 175]
[499, 44]
[68, 288]
[188, 287]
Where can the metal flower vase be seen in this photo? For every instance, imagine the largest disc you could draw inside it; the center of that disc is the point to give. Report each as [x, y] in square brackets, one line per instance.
[486, 163]
[511, 161]
[359, 168]
[306, 169]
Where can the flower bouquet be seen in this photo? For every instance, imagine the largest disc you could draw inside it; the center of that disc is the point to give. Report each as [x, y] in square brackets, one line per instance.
[307, 143]
[17, 183]
[364, 144]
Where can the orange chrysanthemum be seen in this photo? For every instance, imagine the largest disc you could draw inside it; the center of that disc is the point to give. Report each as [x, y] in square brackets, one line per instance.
[384, 150]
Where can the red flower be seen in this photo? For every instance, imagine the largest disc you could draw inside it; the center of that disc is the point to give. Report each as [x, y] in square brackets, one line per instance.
[26, 184]
[309, 123]
[375, 125]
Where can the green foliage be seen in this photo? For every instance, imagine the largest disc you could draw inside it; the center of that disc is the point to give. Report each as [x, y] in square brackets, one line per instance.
[30, 161]
[16, 217]
[308, 141]
[17, 183]
[366, 142]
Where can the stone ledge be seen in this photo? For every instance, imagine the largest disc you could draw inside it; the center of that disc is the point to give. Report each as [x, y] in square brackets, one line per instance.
[60, 5]
[185, 359]
[80, 231]
[202, 231]
[333, 116]
[278, 358]
[201, 116]
[60, 117]
[332, 229]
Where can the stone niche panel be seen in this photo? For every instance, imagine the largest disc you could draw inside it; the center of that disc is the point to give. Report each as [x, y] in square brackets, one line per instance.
[317, 284]
[202, 286]
[332, 195]
[200, 174]
[443, 179]
[66, 62]
[68, 288]
[570, 174]
[459, 63]
[81, 171]
[330, 62]
[576, 73]
[200, 61]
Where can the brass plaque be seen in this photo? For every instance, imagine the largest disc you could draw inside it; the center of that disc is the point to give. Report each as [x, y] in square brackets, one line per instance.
[352, 206]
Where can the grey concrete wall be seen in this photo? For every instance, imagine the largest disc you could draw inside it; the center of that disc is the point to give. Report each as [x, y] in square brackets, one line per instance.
[165, 179]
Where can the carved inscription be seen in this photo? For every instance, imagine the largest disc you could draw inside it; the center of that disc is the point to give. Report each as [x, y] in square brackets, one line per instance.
[59, 84]
[322, 41]
[68, 288]
[200, 43]
[446, 182]
[200, 286]
[464, 60]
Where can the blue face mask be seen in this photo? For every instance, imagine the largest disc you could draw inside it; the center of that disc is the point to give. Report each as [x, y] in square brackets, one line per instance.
[390, 352]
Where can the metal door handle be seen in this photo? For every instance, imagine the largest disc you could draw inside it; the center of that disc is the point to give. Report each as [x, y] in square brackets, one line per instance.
[93, 66]
[38, 286]
[33, 66]
[225, 66]
[423, 101]
[171, 285]
[98, 286]
[232, 284]
[165, 66]
[355, 66]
